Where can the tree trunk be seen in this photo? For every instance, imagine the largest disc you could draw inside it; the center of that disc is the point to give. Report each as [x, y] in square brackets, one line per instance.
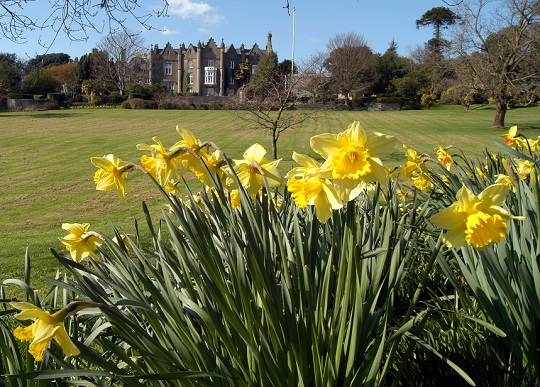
[274, 145]
[500, 113]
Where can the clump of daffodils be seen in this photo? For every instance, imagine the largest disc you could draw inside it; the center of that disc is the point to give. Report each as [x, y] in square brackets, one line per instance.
[351, 162]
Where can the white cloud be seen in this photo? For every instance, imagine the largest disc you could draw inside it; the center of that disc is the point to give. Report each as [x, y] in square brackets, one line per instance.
[187, 9]
[166, 31]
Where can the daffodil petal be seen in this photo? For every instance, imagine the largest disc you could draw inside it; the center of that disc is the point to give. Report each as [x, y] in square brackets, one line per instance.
[447, 218]
[255, 153]
[76, 228]
[103, 163]
[380, 145]
[106, 182]
[323, 210]
[465, 199]
[455, 237]
[494, 195]
[28, 310]
[68, 347]
[305, 160]
[325, 144]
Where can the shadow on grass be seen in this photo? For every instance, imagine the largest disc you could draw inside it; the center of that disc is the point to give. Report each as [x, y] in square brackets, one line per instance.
[51, 115]
[39, 114]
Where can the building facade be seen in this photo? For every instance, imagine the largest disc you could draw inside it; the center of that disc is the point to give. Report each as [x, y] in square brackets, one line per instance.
[205, 69]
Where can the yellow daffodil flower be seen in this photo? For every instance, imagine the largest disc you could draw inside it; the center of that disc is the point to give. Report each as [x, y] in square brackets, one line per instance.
[308, 188]
[510, 137]
[353, 157]
[524, 167]
[534, 145]
[124, 240]
[475, 220]
[506, 181]
[172, 187]
[216, 168]
[47, 327]
[422, 181]
[80, 242]
[111, 173]
[480, 173]
[308, 167]
[319, 193]
[234, 199]
[444, 157]
[193, 145]
[252, 170]
[414, 163]
[165, 165]
[149, 165]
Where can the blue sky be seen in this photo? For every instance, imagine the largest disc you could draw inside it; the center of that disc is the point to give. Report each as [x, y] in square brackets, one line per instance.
[249, 22]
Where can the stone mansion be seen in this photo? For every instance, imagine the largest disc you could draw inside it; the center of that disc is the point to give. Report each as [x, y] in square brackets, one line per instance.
[204, 69]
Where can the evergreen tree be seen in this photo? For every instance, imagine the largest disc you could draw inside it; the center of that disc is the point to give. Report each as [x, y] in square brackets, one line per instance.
[438, 18]
[10, 73]
[41, 62]
[388, 66]
[266, 74]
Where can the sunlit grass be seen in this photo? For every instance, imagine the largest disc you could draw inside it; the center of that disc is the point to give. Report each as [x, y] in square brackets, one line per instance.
[46, 177]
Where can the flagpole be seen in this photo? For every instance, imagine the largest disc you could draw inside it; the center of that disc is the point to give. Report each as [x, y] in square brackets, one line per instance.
[292, 60]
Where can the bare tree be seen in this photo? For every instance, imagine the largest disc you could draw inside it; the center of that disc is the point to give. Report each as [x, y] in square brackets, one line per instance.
[350, 63]
[276, 112]
[71, 17]
[268, 100]
[121, 63]
[314, 79]
[495, 41]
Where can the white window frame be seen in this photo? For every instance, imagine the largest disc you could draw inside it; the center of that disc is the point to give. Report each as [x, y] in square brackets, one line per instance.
[231, 64]
[190, 78]
[211, 63]
[253, 67]
[168, 68]
[190, 63]
[210, 75]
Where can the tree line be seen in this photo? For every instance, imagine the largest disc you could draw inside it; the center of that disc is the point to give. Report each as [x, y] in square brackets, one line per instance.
[476, 55]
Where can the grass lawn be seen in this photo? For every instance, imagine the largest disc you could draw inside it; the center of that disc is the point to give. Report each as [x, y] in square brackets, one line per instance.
[46, 177]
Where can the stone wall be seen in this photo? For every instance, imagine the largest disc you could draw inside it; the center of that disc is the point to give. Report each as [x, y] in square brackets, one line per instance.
[28, 104]
[382, 106]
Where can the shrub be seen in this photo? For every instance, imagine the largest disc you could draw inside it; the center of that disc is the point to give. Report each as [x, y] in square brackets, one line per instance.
[400, 100]
[213, 105]
[410, 104]
[200, 106]
[135, 103]
[78, 98]
[149, 104]
[59, 98]
[428, 100]
[167, 104]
